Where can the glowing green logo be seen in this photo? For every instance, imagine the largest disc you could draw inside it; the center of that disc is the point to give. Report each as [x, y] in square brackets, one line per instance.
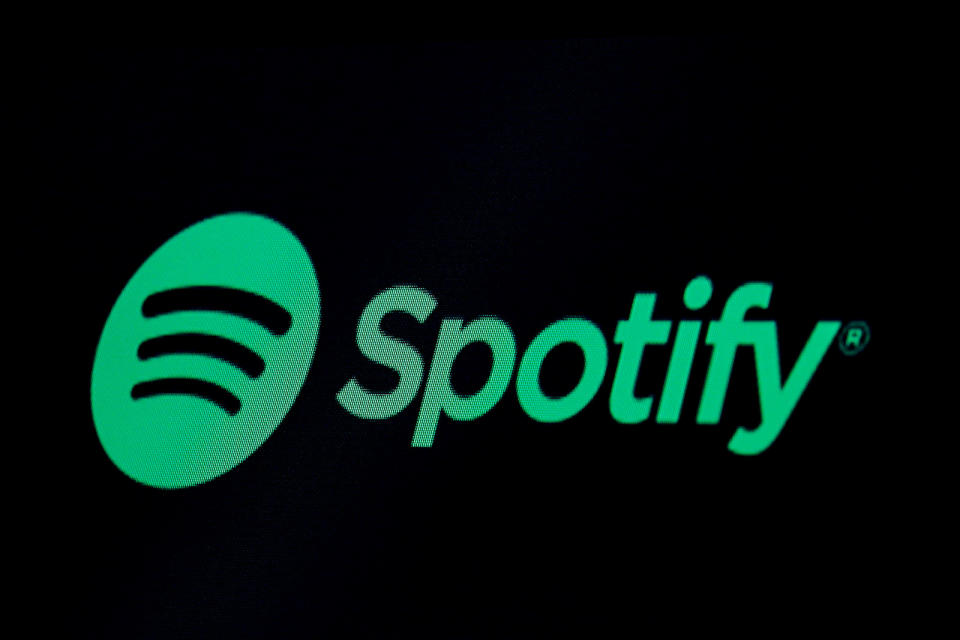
[205, 350]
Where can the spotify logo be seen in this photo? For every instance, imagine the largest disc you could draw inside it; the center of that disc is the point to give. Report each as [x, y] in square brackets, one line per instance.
[209, 344]
[205, 350]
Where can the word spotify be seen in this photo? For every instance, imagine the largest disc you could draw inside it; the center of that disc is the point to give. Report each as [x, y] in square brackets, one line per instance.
[777, 395]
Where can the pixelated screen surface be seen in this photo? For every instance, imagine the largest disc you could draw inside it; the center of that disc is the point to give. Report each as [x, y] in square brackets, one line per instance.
[470, 338]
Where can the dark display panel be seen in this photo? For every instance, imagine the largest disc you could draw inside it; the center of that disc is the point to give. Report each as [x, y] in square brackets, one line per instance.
[530, 181]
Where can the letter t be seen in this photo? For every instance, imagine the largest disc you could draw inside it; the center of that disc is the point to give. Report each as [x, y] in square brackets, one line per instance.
[634, 334]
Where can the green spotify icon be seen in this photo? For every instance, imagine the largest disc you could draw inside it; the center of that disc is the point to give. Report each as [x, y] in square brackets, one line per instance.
[205, 350]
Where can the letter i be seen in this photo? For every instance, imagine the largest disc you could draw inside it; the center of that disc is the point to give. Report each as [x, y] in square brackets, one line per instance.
[695, 296]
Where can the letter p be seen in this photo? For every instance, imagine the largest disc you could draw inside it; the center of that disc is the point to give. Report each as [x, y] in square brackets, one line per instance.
[439, 394]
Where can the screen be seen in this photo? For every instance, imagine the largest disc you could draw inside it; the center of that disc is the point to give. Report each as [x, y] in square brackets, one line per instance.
[469, 338]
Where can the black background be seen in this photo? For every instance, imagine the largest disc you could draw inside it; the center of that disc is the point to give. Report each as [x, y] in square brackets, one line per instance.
[528, 180]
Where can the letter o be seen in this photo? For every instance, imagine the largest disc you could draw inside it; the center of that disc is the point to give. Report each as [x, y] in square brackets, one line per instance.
[591, 341]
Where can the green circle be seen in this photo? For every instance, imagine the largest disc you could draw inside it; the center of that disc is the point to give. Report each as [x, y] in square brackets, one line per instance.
[224, 273]
[698, 292]
[852, 350]
[585, 335]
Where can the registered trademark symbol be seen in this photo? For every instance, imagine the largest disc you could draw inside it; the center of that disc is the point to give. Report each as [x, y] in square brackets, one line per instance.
[853, 338]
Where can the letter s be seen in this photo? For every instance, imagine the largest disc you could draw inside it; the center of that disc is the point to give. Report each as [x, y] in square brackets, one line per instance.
[388, 351]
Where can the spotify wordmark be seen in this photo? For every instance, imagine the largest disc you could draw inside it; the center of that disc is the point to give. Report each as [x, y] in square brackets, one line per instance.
[778, 395]
[210, 342]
